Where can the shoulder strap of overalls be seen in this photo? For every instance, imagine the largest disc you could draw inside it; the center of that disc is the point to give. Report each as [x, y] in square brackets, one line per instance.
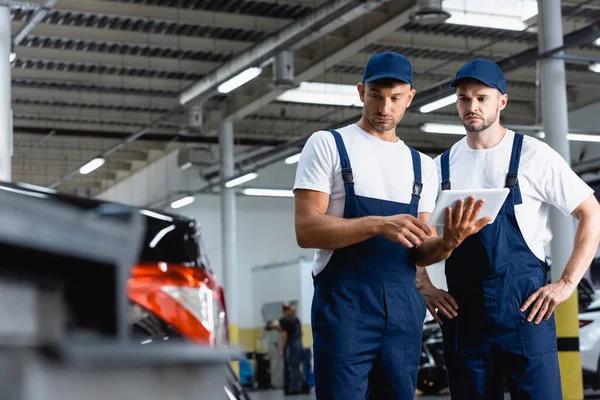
[347, 175]
[417, 183]
[445, 163]
[512, 180]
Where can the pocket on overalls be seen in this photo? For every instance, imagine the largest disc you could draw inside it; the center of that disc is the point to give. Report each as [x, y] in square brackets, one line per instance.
[536, 339]
[334, 316]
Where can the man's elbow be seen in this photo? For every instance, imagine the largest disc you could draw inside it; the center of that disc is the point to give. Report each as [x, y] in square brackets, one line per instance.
[303, 240]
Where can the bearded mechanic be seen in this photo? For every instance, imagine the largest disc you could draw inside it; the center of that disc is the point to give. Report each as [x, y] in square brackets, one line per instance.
[362, 199]
[498, 320]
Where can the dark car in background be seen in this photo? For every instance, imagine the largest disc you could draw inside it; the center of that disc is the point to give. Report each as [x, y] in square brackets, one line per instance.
[172, 292]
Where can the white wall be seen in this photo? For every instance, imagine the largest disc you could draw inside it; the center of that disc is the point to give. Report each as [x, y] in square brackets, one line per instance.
[285, 282]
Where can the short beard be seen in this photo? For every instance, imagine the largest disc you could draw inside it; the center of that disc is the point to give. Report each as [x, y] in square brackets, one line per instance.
[479, 128]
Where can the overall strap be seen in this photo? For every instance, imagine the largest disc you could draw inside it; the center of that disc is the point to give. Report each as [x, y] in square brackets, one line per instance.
[445, 163]
[417, 183]
[512, 180]
[347, 175]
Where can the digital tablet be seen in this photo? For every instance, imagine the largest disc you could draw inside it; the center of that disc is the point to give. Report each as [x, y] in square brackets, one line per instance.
[494, 199]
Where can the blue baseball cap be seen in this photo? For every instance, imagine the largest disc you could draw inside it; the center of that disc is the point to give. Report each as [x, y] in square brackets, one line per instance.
[388, 65]
[484, 71]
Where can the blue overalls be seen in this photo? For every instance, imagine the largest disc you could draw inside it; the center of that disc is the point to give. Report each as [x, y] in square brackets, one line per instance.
[490, 275]
[367, 314]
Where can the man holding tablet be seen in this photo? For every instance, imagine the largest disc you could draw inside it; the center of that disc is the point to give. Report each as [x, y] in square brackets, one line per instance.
[498, 316]
[362, 198]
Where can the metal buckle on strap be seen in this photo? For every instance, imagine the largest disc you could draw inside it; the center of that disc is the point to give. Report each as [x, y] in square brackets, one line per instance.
[417, 188]
[347, 175]
[446, 185]
[511, 180]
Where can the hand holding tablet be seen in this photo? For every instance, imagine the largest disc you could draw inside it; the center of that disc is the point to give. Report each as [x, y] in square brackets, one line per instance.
[493, 200]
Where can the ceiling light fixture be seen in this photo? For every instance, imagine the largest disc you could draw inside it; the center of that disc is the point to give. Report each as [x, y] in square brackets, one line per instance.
[241, 179]
[268, 192]
[92, 166]
[239, 80]
[447, 129]
[184, 201]
[441, 103]
[331, 94]
[293, 159]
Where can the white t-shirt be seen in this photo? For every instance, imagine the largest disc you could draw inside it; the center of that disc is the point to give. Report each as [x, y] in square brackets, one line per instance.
[381, 170]
[545, 180]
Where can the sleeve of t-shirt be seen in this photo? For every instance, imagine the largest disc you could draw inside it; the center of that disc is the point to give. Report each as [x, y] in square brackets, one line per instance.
[430, 184]
[284, 324]
[558, 185]
[315, 168]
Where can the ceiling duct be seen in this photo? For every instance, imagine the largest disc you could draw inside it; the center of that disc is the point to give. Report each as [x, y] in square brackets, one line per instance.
[313, 24]
[429, 12]
[283, 71]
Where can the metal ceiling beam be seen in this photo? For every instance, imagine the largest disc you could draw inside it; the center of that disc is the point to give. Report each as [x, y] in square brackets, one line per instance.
[91, 58]
[92, 98]
[173, 14]
[515, 62]
[140, 38]
[31, 23]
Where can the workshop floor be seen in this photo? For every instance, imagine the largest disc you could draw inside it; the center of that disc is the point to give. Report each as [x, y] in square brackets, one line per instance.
[278, 395]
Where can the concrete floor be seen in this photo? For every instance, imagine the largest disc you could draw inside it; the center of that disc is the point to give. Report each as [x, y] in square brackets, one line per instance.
[278, 395]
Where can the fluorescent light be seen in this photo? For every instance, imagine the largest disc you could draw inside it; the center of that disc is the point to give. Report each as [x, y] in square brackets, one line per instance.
[241, 179]
[504, 14]
[448, 129]
[597, 42]
[434, 105]
[595, 67]
[12, 57]
[186, 165]
[268, 192]
[578, 137]
[161, 234]
[331, 94]
[91, 166]
[293, 159]
[240, 79]
[486, 21]
[184, 201]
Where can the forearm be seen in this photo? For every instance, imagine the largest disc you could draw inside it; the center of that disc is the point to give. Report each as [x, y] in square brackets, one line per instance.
[321, 231]
[422, 280]
[282, 341]
[585, 246]
[432, 251]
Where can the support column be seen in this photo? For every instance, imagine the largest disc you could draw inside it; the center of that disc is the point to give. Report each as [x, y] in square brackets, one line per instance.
[556, 127]
[228, 223]
[6, 126]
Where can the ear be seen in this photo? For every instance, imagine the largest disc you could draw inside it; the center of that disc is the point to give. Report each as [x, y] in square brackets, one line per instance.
[503, 102]
[411, 96]
[361, 87]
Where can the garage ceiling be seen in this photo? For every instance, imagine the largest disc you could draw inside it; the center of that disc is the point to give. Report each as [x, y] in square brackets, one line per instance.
[93, 72]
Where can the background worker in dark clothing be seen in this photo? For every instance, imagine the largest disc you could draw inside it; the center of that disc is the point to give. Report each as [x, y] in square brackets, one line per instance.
[290, 349]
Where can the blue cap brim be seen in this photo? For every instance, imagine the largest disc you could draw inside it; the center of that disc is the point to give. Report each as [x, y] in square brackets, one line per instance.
[388, 76]
[485, 82]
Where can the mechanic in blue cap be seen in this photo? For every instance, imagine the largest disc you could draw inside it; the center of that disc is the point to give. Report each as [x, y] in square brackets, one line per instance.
[362, 198]
[497, 319]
